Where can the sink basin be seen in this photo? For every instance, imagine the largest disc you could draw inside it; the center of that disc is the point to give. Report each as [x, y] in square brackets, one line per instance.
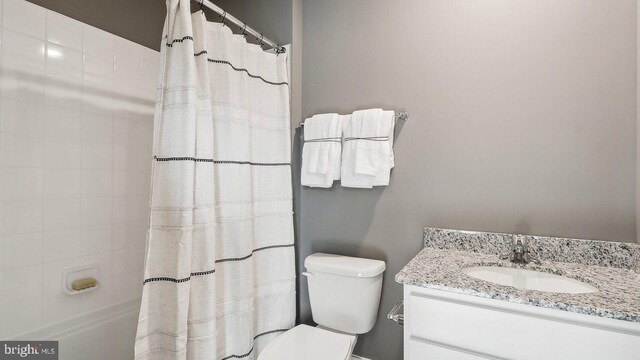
[529, 280]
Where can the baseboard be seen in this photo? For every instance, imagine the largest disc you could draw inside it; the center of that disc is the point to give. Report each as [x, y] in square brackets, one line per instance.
[356, 357]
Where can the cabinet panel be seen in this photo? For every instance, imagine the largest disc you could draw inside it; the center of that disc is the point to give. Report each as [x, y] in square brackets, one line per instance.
[421, 350]
[485, 326]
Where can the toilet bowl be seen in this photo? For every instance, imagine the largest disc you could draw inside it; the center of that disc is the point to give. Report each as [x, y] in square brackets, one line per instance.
[344, 293]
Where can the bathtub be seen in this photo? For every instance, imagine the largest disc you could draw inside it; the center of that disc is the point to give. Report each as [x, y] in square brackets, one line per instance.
[104, 334]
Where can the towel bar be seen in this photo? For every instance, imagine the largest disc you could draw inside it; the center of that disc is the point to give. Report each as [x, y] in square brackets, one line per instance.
[404, 116]
[395, 314]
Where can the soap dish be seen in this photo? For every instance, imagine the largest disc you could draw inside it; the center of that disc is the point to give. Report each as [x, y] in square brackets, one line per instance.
[76, 273]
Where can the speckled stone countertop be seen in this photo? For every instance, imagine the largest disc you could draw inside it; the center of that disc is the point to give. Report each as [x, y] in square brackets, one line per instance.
[609, 266]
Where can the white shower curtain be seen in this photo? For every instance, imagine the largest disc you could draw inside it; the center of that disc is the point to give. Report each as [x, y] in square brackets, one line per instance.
[219, 274]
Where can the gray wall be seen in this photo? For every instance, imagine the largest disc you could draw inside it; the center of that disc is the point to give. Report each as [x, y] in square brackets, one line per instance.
[638, 129]
[273, 18]
[522, 119]
[296, 117]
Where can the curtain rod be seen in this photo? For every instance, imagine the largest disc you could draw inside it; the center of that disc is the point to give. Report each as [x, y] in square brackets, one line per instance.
[245, 29]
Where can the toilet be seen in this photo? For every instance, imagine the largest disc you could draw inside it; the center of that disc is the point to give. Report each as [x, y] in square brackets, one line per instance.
[344, 293]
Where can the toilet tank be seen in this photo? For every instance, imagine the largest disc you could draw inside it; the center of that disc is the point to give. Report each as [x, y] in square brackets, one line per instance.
[344, 291]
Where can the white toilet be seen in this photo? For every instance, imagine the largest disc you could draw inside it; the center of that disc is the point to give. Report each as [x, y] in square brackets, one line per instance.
[345, 294]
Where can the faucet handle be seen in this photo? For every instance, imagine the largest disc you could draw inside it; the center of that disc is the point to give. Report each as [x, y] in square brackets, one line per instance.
[533, 259]
[519, 242]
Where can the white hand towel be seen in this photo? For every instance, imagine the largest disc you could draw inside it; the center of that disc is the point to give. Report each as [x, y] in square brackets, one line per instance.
[322, 150]
[368, 137]
[367, 152]
[388, 121]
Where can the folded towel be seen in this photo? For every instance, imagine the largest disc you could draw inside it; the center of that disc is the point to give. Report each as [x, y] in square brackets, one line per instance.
[368, 124]
[368, 149]
[322, 150]
[387, 157]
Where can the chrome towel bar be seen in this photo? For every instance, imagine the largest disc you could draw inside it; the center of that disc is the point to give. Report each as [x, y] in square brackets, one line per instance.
[404, 116]
[395, 314]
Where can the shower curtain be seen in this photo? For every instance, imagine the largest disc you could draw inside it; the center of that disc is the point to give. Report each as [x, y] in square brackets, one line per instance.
[219, 278]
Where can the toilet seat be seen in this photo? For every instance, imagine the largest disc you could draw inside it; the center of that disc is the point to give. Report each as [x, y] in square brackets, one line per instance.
[304, 342]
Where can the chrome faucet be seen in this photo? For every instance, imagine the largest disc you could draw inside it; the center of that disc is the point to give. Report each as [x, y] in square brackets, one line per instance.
[519, 251]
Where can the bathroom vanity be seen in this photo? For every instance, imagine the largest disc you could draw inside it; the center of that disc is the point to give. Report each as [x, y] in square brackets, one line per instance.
[462, 301]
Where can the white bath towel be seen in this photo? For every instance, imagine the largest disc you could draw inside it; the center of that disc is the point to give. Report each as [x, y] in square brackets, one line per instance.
[368, 128]
[368, 148]
[322, 150]
[388, 121]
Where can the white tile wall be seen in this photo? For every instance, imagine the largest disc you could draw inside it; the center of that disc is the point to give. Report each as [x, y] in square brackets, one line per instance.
[76, 119]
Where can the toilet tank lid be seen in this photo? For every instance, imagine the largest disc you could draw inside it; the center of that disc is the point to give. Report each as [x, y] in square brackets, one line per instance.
[344, 265]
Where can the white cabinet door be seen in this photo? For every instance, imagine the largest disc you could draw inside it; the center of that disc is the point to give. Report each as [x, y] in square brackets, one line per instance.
[458, 326]
[421, 350]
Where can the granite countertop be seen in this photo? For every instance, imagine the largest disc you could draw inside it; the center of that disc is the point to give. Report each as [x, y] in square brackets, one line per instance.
[614, 274]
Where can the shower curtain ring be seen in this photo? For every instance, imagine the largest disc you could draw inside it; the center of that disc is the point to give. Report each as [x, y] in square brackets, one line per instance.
[224, 17]
[261, 37]
[244, 28]
[202, 5]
